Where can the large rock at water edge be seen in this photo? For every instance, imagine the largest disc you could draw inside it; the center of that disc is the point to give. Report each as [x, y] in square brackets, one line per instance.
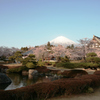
[35, 73]
[4, 79]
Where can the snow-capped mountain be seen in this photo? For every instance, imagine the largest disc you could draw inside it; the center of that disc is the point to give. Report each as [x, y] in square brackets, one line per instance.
[62, 41]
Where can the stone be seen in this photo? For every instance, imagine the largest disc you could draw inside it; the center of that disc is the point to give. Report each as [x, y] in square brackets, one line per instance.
[4, 79]
[35, 73]
[30, 71]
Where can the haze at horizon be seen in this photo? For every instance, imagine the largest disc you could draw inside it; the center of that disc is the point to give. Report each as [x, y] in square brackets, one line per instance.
[35, 22]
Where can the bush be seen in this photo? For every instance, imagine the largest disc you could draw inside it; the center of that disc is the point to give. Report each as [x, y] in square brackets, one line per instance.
[40, 63]
[65, 65]
[97, 72]
[29, 59]
[17, 70]
[95, 80]
[70, 65]
[30, 65]
[47, 90]
[73, 73]
[93, 59]
[91, 65]
[92, 54]
[42, 69]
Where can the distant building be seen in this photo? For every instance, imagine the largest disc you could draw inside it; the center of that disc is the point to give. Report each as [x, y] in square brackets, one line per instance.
[95, 42]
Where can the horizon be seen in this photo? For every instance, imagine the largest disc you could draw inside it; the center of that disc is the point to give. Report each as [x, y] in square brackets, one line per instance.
[35, 22]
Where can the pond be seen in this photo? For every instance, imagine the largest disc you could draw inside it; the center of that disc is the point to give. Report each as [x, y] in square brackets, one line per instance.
[19, 80]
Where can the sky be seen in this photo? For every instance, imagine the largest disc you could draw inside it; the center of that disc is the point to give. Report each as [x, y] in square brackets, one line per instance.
[35, 22]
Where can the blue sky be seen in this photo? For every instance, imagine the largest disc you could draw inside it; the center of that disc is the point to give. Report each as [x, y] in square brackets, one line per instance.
[35, 22]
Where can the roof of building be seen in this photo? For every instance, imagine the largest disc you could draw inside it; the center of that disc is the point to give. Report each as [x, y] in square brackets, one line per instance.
[28, 52]
[96, 38]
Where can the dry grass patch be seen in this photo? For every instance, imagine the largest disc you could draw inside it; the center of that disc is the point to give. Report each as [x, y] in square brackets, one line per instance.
[12, 65]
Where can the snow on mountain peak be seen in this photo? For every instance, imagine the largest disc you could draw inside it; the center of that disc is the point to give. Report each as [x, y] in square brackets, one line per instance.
[62, 41]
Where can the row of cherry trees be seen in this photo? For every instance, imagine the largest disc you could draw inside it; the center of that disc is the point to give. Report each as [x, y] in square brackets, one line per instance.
[5, 52]
[42, 52]
[75, 53]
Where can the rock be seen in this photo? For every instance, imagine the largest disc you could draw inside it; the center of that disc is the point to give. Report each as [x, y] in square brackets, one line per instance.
[4, 79]
[31, 71]
[3, 70]
[35, 73]
[30, 76]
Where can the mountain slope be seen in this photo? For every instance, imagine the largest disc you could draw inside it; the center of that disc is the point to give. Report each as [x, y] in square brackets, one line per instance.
[62, 41]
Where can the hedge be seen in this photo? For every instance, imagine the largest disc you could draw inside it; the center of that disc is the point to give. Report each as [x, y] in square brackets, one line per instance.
[51, 89]
[17, 70]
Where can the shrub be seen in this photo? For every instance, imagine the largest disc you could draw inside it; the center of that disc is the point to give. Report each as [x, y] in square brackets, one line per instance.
[95, 80]
[93, 59]
[48, 63]
[97, 72]
[17, 70]
[90, 65]
[70, 65]
[42, 69]
[40, 63]
[30, 65]
[51, 89]
[92, 54]
[29, 59]
[97, 60]
[65, 59]
[46, 90]
[65, 65]
[73, 73]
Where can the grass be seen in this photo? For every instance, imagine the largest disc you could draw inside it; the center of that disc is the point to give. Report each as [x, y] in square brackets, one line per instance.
[76, 61]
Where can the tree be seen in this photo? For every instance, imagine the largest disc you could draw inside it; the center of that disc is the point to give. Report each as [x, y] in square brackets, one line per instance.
[84, 42]
[3, 57]
[30, 65]
[16, 57]
[48, 45]
[11, 58]
[24, 49]
[65, 59]
[29, 61]
[92, 54]
[68, 46]
[5, 51]
[72, 46]
[92, 57]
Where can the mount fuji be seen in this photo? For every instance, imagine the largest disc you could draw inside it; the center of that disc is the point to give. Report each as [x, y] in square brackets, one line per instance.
[61, 40]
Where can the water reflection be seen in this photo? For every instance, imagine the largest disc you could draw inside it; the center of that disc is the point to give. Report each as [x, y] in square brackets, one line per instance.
[19, 80]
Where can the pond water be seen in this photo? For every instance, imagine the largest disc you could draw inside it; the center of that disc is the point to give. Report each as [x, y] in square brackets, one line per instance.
[19, 80]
